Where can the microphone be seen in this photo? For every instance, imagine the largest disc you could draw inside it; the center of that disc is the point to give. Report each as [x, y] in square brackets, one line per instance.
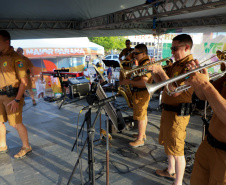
[101, 102]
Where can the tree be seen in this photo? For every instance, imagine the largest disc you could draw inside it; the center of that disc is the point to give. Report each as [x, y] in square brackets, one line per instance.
[109, 43]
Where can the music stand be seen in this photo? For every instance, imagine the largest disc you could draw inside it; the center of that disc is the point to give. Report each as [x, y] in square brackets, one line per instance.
[118, 123]
[111, 63]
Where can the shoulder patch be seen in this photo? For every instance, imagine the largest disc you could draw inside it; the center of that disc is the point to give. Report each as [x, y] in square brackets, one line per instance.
[19, 63]
[175, 74]
[5, 64]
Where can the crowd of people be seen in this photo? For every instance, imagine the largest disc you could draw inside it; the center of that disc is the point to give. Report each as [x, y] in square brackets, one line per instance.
[210, 160]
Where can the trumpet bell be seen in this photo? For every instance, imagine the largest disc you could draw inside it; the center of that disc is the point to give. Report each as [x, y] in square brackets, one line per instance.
[151, 88]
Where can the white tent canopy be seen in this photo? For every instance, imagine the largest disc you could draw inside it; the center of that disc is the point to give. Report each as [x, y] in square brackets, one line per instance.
[87, 18]
[81, 42]
[58, 46]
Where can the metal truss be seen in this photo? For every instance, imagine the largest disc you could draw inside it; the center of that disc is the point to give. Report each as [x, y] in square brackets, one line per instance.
[147, 12]
[195, 22]
[138, 17]
[37, 25]
[129, 26]
[71, 25]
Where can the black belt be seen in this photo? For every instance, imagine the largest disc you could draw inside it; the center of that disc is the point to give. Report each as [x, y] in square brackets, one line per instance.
[215, 143]
[9, 91]
[135, 89]
[2, 92]
[183, 109]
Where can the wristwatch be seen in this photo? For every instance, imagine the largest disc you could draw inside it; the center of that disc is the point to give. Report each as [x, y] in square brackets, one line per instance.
[17, 100]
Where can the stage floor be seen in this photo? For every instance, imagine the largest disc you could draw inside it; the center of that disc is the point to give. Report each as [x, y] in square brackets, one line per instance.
[52, 133]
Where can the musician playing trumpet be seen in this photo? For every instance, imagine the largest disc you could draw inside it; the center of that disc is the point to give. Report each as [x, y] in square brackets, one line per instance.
[126, 52]
[126, 58]
[140, 97]
[210, 159]
[175, 109]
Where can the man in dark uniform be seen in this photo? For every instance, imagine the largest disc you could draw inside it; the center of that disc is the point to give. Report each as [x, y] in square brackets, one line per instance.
[140, 97]
[210, 159]
[176, 109]
[13, 75]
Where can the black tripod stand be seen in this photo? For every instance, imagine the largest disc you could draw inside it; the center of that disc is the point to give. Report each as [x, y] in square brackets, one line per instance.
[90, 139]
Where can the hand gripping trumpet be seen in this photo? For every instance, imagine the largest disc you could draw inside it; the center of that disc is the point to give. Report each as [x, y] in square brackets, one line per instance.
[154, 87]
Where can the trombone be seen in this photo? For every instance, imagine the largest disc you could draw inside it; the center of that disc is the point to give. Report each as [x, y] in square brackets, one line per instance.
[154, 87]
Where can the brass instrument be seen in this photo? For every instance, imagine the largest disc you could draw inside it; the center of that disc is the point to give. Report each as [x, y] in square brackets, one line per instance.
[126, 61]
[124, 57]
[126, 93]
[153, 87]
[99, 72]
[136, 71]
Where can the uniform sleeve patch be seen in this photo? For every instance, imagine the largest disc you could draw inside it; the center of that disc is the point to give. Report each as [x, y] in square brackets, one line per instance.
[5, 64]
[175, 74]
[20, 63]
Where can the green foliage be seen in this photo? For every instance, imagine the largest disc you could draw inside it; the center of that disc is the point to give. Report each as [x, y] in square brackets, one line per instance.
[109, 43]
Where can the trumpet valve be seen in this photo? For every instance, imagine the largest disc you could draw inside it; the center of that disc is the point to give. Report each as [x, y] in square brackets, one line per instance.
[223, 66]
[221, 55]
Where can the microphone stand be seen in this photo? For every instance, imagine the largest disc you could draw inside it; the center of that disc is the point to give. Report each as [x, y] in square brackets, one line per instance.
[107, 151]
[90, 140]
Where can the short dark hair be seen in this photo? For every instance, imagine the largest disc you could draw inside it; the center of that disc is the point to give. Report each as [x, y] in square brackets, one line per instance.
[5, 35]
[142, 48]
[184, 39]
[20, 49]
[127, 40]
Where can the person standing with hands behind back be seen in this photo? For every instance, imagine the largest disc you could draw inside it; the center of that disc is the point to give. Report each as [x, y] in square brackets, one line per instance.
[13, 75]
[176, 109]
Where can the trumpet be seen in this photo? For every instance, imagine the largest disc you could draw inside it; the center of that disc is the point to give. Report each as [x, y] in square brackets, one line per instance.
[126, 61]
[154, 87]
[124, 57]
[136, 71]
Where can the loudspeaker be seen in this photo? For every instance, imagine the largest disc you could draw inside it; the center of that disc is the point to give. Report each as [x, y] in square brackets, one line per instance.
[78, 86]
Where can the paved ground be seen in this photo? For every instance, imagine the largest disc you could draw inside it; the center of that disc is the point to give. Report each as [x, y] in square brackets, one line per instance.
[52, 133]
